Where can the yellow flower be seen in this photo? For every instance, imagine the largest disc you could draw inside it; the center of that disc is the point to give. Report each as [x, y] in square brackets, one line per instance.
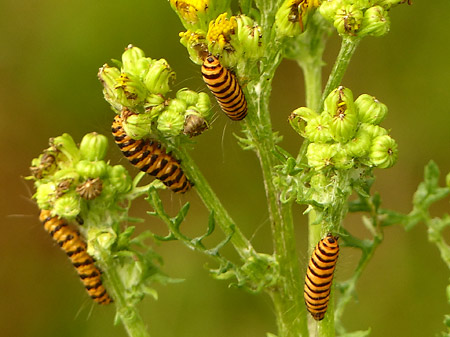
[188, 9]
[221, 29]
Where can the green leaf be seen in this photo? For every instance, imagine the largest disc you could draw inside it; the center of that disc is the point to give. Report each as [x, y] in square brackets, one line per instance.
[178, 219]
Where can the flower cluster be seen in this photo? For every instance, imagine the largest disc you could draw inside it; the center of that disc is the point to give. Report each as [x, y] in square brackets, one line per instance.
[347, 133]
[237, 39]
[67, 177]
[292, 17]
[359, 17]
[139, 89]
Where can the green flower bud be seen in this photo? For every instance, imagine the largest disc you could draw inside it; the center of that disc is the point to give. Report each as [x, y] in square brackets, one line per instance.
[102, 238]
[204, 105]
[342, 160]
[67, 206]
[138, 126]
[288, 18]
[129, 90]
[328, 8]
[370, 110]
[108, 77]
[383, 152]
[159, 77]
[376, 22]
[339, 105]
[91, 169]
[196, 45]
[171, 122]
[66, 174]
[44, 195]
[359, 146]
[320, 155]
[373, 130]
[93, 146]
[348, 20]
[134, 61]
[66, 145]
[299, 119]
[250, 36]
[119, 179]
[318, 129]
[189, 97]
[154, 100]
[177, 105]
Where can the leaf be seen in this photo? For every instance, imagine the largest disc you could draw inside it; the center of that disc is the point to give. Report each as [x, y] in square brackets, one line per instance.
[178, 219]
[388, 218]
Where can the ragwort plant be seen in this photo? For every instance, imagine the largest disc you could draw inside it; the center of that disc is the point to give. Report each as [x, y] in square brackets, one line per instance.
[341, 143]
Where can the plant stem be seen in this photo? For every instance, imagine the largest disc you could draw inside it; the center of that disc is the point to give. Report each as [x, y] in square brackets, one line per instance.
[127, 313]
[287, 295]
[346, 52]
[212, 202]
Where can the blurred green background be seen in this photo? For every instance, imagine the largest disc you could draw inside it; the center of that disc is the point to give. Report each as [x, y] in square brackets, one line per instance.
[50, 53]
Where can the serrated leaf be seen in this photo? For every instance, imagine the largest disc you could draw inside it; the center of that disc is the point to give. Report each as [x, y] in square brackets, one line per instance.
[389, 218]
[178, 219]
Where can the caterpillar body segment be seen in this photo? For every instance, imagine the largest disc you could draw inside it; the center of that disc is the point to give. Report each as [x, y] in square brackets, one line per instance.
[319, 276]
[71, 242]
[225, 87]
[150, 157]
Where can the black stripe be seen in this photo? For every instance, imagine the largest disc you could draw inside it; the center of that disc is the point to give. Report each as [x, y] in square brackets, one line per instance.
[66, 239]
[86, 262]
[215, 75]
[313, 260]
[169, 174]
[312, 271]
[95, 286]
[57, 228]
[79, 249]
[325, 252]
[327, 289]
[95, 273]
[134, 151]
[318, 285]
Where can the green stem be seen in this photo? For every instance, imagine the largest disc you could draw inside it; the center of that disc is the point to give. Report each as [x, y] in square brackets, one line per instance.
[127, 313]
[212, 202]
[346, 52]
[287, 295]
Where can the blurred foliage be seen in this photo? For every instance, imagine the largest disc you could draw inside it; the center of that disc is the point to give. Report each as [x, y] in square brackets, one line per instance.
[51, 52]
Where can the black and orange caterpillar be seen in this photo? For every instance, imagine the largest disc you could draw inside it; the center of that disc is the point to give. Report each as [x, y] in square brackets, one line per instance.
[320, 275]
[71, 242]
[225, 87]
[150, 157]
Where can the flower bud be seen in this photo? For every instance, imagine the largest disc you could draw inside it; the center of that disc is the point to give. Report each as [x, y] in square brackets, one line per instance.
[383, 152]
[119, 179]
[376, 22]
[348, 20]
[204, 105]
[129, 90]
[66, 145]
[339, 105]
[299, 119]
[373, 130]
[328, 8]
[370, 110]
[138, 126]
[318, 129]
[189, 97]
[250, 36]
[171, 122]
[159, 77]
[108, 77]
[320, 155]
[288, 18]
[190, 10]
[196, 45]
[45, 194]
[134, 61]
[93, 146]
[359, 146]
[67, 206]
[91, 169]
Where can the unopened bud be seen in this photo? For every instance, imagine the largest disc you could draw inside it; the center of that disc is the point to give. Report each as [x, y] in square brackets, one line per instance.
[134, 61]
[44, 195]
[91, 169]
[138, 126]
[159, 77]
[370, 110]
[383, 152]
[348, 20]
[320, 155]
[204, 105]
[119, 179]
[373, 130]
[318, 129]
[171, 122]
[189, 97]
[66, 145]
[93, 146]
[376, 22]
[359, 145]
[67, 206]
[299, 119]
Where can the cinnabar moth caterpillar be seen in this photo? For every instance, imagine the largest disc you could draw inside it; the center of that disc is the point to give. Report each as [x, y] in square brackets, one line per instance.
[71, 242]
[225, 87]
[320, 275]
[150, 157]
